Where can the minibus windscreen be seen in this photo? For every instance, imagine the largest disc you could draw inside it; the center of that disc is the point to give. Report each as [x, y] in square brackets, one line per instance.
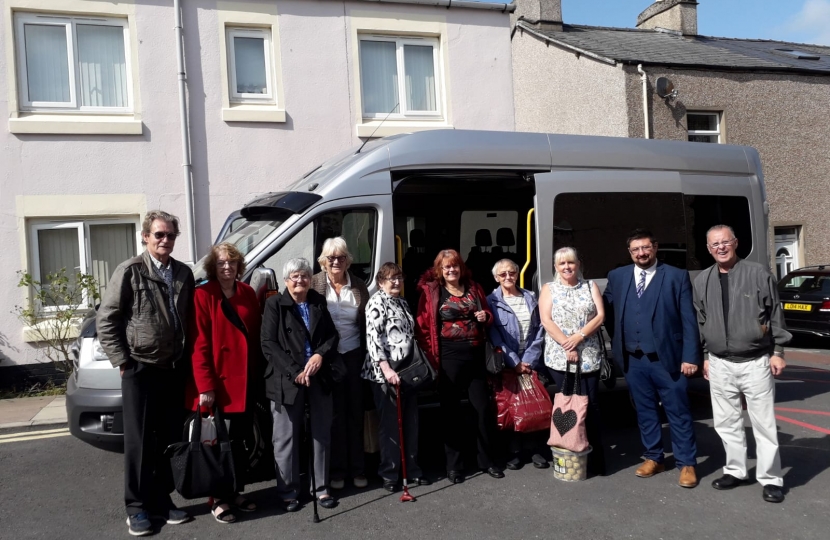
[246, 237]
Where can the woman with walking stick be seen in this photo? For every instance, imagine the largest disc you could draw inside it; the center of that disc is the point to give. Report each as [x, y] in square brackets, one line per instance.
[390, 335]
[299, 341]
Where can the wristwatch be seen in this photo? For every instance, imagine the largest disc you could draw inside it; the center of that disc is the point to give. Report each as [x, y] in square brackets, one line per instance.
[582, 334]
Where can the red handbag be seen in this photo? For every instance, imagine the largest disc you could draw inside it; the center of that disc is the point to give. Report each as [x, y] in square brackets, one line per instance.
[522, 403]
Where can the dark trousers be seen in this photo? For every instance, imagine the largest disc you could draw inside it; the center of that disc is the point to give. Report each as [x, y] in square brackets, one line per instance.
[389, 435]
[456, 377]
[651, 384]
[347, 424]
[153, 419]
[593, 421]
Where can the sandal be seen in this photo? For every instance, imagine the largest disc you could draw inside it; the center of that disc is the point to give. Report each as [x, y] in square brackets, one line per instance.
[243, 504]
[225, 516]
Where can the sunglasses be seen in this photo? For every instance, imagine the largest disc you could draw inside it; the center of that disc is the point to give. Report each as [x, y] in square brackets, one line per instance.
[338, 258]
[171, 237]
[505, 274]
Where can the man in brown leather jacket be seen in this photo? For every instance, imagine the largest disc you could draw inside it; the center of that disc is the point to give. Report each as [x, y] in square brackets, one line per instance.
[142, 326]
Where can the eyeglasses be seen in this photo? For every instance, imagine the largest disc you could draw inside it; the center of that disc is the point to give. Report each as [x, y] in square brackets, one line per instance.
[506, 274]
[451, 267]
[395, 279]
[644, 249]
[171, 237]
[222, 264]
[298, 278]
[337, 258]
[725, 243]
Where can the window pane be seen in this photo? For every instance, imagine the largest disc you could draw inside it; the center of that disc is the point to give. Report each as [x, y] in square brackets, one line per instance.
[379, 77]
[597, 225]
[702, 122]
[704, 138]
[420, 78]
[705, 211]
[47, 68]
[249, 61]
[357, 227]
[109, 246]
[58, 248]
[102, 66]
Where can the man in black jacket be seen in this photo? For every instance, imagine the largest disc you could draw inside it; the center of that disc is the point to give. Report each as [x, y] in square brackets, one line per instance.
[742, 328]
[142, 326]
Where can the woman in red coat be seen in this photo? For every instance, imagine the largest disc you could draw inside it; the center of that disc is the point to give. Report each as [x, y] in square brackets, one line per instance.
[226, 357]
[450, 327]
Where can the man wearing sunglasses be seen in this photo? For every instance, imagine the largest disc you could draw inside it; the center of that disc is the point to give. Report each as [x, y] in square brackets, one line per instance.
[142, 326]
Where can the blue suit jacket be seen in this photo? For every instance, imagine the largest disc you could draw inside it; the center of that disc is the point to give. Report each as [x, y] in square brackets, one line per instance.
[673, 323]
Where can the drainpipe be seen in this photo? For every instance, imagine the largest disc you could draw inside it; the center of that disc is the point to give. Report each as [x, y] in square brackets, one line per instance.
[186, 166]
[644, 78]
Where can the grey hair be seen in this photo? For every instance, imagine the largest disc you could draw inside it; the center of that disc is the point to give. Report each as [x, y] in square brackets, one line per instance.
[332, 246]
[567, 254]
[153, 215]
[719, 227]
[298, 264]
[505, 261]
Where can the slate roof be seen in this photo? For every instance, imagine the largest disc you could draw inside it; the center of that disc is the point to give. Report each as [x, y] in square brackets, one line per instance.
[661, 47]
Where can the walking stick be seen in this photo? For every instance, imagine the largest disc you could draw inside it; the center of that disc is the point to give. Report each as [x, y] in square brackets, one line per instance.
[406, 497]
[310, 439]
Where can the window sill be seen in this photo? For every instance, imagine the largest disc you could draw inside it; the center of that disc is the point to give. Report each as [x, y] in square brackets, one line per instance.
[396, 127]
[253, 113]
[32, 334]
[75, 124]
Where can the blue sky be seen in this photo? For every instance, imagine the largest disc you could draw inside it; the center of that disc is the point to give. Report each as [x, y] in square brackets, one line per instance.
[801, 21]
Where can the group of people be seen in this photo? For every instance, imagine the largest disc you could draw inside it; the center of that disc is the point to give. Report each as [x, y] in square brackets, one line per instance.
[323, 337]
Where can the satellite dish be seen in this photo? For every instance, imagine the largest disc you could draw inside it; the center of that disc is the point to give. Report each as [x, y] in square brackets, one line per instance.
[665, 88]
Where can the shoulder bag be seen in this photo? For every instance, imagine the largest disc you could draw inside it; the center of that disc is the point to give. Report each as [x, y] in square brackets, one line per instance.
[414, 371]
[493, 356]
[203, 470]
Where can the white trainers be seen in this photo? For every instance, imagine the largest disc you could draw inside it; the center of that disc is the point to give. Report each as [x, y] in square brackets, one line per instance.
[360, 482]
[337, 484]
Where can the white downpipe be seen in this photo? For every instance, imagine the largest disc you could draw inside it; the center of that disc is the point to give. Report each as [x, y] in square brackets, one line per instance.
[644, 78]
[186, 165]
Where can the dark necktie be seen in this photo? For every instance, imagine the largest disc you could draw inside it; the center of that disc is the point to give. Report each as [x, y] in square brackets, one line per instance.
[641, 284]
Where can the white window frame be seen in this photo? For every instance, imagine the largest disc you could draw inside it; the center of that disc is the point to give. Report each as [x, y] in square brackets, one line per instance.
[243, 97]
[404, 113]
[82, 227]
[69, 22]
[716, 132]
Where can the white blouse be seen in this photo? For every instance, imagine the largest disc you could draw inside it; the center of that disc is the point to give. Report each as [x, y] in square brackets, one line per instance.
[343, 311]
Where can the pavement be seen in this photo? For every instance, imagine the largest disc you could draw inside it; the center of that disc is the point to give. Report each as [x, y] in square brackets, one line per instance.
[32, 412]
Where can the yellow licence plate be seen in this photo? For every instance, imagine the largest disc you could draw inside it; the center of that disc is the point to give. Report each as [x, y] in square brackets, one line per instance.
[798, 307]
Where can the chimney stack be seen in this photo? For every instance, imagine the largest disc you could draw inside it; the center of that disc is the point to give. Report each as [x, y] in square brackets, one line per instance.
[547, 12]
[677, 15]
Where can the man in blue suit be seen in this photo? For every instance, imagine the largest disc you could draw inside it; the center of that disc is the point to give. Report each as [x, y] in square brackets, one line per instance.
[656, 343]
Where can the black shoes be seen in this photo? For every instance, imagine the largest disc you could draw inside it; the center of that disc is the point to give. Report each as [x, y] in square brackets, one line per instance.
[495, 472]
[727, 481]
[539, 461]
[773, 494]
[139, 524]
[390, 485]
[327, 501]
[291, 505]
[455, 477]
[419, 481]
[514, 464]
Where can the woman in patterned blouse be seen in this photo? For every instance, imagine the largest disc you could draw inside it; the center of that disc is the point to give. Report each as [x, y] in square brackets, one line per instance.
[572, 314]
[390, 335]
[451, 327]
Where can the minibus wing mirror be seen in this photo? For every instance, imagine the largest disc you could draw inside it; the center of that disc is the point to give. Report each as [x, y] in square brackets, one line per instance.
[264, 283]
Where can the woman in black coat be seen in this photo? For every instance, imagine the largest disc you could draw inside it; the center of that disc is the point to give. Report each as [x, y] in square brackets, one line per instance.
[299, 342]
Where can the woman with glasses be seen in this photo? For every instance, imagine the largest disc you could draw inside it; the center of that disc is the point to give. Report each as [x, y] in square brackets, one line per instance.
[226, 360]
[518, 331]
[451, 329]
[572, 313]
[299, 341]
[346, 297]
[390, 336]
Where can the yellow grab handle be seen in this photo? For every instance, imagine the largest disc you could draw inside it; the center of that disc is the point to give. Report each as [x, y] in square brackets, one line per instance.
[527, 263]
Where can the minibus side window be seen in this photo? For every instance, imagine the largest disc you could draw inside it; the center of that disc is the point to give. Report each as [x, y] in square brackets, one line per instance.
[705, 211]
[357, 226]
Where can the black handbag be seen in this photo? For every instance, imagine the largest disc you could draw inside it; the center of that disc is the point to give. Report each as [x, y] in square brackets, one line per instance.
[201, 470]
[415, 371]
[493, 356]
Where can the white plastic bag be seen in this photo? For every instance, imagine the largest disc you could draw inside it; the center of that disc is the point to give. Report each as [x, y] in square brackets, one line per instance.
[208, 430]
